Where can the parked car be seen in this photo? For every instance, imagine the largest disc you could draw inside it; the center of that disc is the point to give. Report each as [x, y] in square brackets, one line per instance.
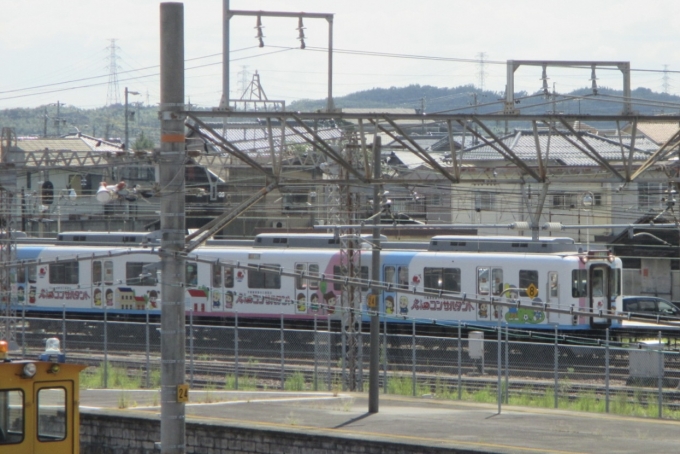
[650, 307]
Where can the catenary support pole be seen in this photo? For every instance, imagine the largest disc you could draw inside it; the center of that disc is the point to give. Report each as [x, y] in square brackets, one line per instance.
[171, 179]
[374, 360]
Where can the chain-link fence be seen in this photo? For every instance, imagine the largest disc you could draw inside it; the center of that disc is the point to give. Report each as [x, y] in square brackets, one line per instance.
[468, 363]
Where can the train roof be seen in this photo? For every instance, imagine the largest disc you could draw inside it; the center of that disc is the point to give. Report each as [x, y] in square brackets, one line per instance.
[462, 243]
[97, 238]
[439, 243]
[308, 240]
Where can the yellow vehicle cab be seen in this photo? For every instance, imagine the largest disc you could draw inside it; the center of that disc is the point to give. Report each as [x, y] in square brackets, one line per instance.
[39, 404]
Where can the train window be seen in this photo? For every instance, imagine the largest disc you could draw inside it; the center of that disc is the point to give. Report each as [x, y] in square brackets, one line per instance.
[216, 276]
[11, 416]
[526, 278]
[96, 272]
[264, 278]
[337, 274]
[598, 284]
[483, 281]
[403, 277]
[51, 414]
[313, 272]
[452, 279]
[135, 275]
[32, 274]
[553, 289]
[191, 274]
[447, 279]
[578, 283]
[108, 272]
[389, 274]
[228, 277]
[64, 273]
[364, 271]
[615, 282]
[21, 275]
[497, 278]
[300, 282]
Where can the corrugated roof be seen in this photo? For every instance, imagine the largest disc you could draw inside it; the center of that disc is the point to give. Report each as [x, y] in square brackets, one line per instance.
[74, 143]
[659, 132]
[557, 149]
[255, 141]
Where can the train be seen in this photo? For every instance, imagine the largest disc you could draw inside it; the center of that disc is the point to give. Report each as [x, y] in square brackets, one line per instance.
[481, 280]
[39, 403]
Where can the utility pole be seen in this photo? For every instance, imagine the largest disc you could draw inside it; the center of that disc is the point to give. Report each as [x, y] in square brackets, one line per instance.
[374, 360]
[174, 392]
[127, 116]
[58, 120]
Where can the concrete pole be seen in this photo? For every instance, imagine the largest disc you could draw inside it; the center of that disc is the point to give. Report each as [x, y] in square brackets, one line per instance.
[374, 360]
[226, 16]
[127, 132]
[171, 171]
[330, 106]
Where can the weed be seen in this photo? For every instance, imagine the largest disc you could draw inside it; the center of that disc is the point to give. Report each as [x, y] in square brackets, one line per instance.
[295, 382]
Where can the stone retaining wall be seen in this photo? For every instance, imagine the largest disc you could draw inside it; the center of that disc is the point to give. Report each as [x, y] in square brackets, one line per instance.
[113, 432]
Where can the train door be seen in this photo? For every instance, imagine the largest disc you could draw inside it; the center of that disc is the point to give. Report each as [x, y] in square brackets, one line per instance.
[599, 294]
[196, 296]
[216, 293]
[489, 285]
[307, 298]
[552, 293]
[396, 278]
[55, 417]
[102, 284]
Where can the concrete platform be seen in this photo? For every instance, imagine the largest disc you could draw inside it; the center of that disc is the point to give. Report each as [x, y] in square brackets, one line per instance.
[426, 422]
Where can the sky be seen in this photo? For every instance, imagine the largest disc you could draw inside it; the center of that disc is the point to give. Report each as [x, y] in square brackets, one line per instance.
[61, 51]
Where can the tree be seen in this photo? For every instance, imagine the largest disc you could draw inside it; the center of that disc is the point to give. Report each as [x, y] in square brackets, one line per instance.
[142, 143]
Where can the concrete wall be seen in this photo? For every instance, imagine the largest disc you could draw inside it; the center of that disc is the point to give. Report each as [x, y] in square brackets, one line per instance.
[109, 432]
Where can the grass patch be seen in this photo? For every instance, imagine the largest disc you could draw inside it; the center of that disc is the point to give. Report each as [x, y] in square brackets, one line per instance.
[116, 377]
[245, 383]
[295, 382]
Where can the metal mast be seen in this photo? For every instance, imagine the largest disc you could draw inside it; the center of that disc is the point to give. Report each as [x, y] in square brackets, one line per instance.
[112, 96]
[7, 241]
[350, 264]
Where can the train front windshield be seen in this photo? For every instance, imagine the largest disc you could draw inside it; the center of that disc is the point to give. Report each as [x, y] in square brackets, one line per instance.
[11, 416]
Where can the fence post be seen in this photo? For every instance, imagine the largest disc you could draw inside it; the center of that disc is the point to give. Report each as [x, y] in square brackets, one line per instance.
[385, 355]
[63, 328]
[413, 354]
[148, 360]
[460, 370]
[191, 348]
[330, 350]
[236, 350]
[606, 372]
[360, 372]
[660, 377]
[499, 355]
[316, 356]
[507, 363]
[106, 348]
[23, 329]
[283, 378]
[557, 375]
[343, 362]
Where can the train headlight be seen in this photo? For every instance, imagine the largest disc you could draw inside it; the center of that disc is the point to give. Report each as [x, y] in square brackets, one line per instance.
[4, 349]
[29, 370]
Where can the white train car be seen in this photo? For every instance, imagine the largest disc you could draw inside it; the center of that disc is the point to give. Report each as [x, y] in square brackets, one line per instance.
[450, 280]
